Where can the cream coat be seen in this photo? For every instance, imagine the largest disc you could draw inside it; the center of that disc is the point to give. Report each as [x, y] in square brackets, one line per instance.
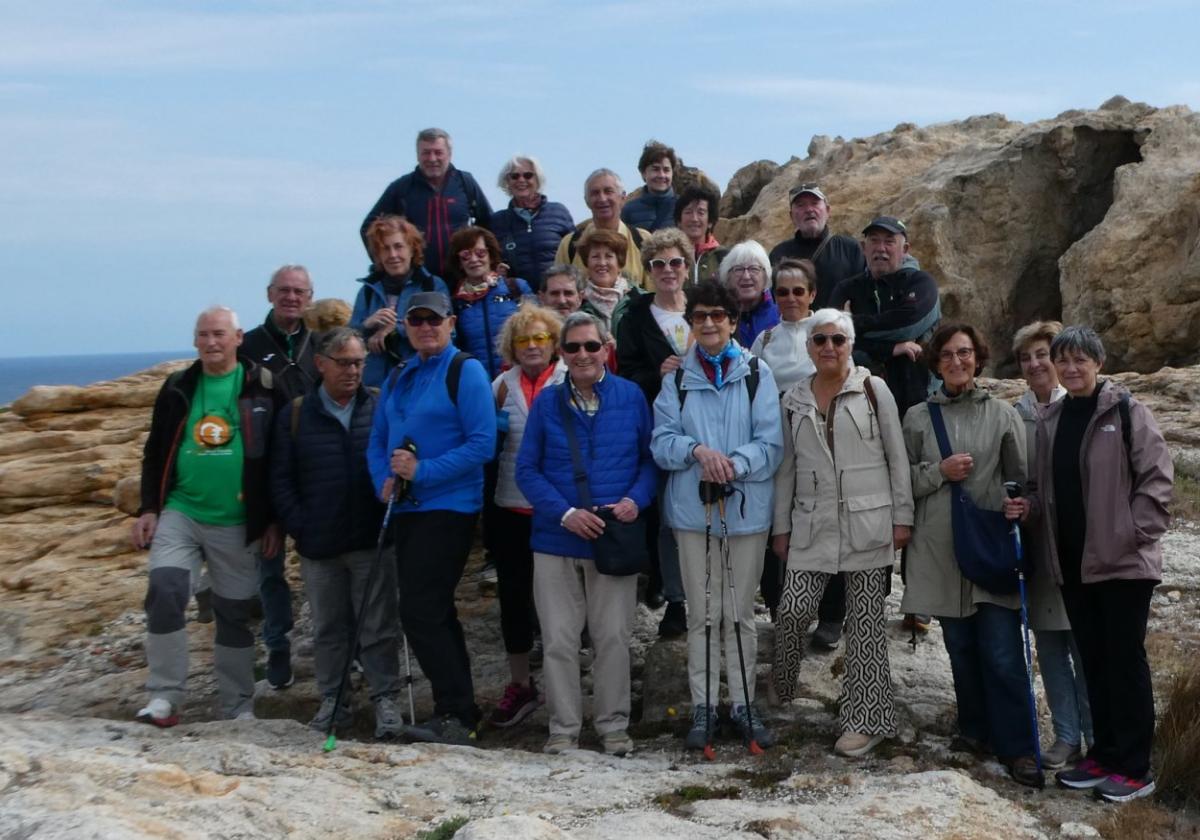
[840, 504]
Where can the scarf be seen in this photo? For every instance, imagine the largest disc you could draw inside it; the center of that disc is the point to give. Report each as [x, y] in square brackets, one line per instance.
[471, 292]
[606, 300]
[716, 366]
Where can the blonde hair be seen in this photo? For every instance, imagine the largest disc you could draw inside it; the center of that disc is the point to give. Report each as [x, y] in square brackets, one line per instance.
[519, 322]
[1045, 331]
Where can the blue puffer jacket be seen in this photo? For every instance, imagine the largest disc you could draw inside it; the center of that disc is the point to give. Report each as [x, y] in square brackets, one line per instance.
[529, 238]
[650, 210]
[319, 478]
[453, 441]
[479, 322]
[615, 445]
[762, 316]
[371, 298]
[750, 435]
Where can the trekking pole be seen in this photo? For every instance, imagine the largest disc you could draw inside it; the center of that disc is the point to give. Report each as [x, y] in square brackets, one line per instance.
[1013, 489]
[753, 745]
[709, 753]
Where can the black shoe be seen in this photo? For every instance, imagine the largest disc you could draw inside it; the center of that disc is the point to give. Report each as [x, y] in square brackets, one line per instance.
[653, 598]
[446, 729]
[279, 669]
[204, 610]
[827, 635]
[674, 621]
[1024, 771]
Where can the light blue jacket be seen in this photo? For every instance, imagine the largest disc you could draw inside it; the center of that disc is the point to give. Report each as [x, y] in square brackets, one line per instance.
[751, 435]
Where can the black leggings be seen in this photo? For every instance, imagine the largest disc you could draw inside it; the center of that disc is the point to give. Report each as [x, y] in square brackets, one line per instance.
[514, 579]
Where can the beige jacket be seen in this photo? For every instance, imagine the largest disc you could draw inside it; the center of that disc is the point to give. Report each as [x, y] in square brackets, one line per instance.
[839, 503]
[990, 430]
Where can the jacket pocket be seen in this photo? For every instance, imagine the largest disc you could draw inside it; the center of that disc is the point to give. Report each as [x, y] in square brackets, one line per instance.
[870, 521]
[803, 514]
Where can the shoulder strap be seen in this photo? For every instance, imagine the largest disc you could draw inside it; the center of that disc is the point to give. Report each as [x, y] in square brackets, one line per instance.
[1126, 431]
[568, 421]
[514, 291]
[501, 395]
[295, 418]
[870, 390]
[939, 429]
[636, 235]
[768, 333]
[752, 379]
[679, 388]
[455, 374]
[579, 229]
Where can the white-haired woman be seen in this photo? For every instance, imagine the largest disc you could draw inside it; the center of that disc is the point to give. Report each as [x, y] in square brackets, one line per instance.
[531, 227]
[745, 271]
[843, 504]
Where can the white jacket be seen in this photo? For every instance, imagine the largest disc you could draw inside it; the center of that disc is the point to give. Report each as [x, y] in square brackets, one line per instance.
[510, 398]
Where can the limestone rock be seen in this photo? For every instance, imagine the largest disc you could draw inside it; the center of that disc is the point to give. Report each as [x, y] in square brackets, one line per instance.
[506, 828]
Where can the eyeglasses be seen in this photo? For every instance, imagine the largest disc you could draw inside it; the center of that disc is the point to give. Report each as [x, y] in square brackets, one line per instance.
[517, 176]
[536, 338]
[673, 262]
[747, 269]
[785, 291]
[292, 290]
[348, 364]
[478, 253]
[819, 339]
[576, 346]
[962, 354]
[418, 320]
[699, 316]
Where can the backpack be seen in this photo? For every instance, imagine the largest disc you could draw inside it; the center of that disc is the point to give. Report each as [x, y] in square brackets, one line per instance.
[452, 375]
[635, 234]
[751, 383]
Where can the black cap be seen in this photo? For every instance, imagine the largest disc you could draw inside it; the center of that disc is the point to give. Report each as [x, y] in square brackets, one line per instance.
[889, 223]
[435, 302]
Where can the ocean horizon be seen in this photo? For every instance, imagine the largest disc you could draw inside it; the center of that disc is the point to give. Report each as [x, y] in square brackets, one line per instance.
[20, 373]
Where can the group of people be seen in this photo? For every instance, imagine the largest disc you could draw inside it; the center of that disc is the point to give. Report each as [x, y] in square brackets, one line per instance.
[782, 422]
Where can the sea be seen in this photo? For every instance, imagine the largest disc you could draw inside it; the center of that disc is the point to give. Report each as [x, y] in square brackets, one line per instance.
[19, 374]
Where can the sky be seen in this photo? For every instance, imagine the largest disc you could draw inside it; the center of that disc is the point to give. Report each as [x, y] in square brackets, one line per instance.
[156, 159]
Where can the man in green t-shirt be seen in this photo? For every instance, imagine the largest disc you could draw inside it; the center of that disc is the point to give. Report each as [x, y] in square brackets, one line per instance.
[205, 500]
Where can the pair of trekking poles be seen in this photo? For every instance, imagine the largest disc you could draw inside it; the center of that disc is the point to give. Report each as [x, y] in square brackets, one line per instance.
[400, 491]
[715, 493]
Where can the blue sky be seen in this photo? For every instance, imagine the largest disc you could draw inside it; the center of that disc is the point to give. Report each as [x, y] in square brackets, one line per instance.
[158, 158]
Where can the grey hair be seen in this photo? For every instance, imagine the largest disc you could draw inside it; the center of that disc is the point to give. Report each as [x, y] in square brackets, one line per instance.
[1080, 340]
[284, 269]
[600, 173]
[335, 339]
[744, 252]
[432, 135]
[219, 310]
[584, 319]
[829, 315]
[572, 271]
[512, 163]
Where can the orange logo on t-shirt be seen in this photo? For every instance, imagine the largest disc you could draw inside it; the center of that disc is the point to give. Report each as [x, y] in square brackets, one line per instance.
[211, 430]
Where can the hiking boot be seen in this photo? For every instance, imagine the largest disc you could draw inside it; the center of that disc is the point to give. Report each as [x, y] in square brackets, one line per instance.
[159, 712]
[967, 744]
[856, 744]
[204, 610]
[446, 729]
[389, 723]
[827, 635]
[617, 743]
[279, 669]
[519, 702]
[1118, 788]
[320, 721]
[1060, 754]
[741, 718]
[1024, 771]
[556, 744]
[704, 721]
[917, 622]
[674, 621]
[1086, 774]
[653, 598]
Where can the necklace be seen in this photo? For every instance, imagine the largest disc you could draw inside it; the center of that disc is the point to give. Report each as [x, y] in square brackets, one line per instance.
[212, 429]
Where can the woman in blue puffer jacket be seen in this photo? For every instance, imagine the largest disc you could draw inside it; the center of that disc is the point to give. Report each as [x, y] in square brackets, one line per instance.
[531, 227]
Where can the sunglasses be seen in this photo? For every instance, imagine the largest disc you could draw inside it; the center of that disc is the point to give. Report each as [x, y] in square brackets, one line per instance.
[576, 346]
[518, 176]
[819, 339]
[784, 291]
[717, 316]
[673, 262]
[536, 338]
[478, 253]
[418, 320]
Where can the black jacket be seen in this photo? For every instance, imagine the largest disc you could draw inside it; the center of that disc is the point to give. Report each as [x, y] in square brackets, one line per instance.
[321, 486]
[642, 347]
[294, 373]
[256, 414]
[840, 258]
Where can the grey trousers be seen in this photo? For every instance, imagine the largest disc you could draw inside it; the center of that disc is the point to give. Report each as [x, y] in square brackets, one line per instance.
[180, 547]
[335, 589]
[569, 592]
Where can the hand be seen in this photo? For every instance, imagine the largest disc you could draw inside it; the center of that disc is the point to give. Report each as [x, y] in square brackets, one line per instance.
[272, 541]
[957, 467]
[143, 530]
[503, 269]
[907, 348]
[386, 493]
[669, 365]
[377, 343]
[404, 464]
[584, 523]
[714, 465]
[383, 320]
[625, 510]
[1017, 508]
[901, 534]
[779, 545]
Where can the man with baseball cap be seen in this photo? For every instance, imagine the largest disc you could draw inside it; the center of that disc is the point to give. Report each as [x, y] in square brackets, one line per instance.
[835, 257]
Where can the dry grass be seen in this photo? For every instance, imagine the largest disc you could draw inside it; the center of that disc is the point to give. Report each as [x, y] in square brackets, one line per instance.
[1186, 503]
[1143, 819]
[1178, 739]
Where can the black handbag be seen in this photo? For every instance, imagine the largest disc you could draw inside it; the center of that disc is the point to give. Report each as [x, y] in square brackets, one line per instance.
[983, 541]
[620, 549]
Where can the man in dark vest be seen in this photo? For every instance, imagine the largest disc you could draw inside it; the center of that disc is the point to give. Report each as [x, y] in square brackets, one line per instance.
[835, 257]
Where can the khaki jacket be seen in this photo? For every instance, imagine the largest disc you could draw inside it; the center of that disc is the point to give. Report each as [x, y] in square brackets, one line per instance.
[839, 503]
[990, 430]
[1126, 514]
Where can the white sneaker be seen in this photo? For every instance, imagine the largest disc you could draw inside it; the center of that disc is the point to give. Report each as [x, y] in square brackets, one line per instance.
[159, 712]
[246, 715]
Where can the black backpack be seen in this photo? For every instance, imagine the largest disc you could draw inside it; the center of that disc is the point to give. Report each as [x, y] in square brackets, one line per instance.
[452, 375]
[751, 383]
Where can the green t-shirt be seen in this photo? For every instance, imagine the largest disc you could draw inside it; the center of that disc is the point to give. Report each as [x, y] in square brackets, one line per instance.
[208, 466]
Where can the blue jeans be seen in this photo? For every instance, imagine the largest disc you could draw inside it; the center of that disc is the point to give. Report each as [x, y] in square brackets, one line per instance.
[990, 686]
[1066, 689]
[276, 603]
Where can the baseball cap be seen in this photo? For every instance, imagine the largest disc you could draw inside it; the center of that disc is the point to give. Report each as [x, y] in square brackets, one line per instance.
[800, 189]
[435, 302]
[889, 223]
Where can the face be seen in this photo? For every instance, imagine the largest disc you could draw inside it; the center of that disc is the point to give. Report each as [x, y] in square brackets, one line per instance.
[605, 199]
[712, 327]
[289, 293]
[1077, 371]
[217, 341]
[809, 214]
[560, 294]
[522, 181]
[956, 362]
[658, 175]
[394, 255]
[792, 296]
[669, 270]
[884, 251]
[341, 371]
[748, 281]
[1036, 366]
[433, 158]
[476, 261]
[533, 346]
[824, 351]
[586, 366]
[426, 338]
[602, 266]
[693, 220]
